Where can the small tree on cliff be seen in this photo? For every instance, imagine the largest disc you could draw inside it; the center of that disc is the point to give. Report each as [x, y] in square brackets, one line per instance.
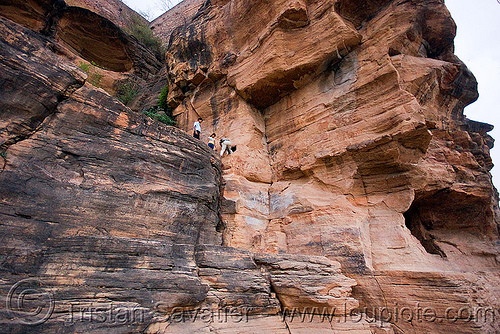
[165, 4]
[162, 112]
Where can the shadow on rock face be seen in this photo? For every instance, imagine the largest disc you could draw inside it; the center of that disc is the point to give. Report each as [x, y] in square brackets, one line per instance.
[95, 39]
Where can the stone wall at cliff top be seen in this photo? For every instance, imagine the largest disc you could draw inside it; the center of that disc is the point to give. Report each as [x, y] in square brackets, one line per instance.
[178, 15]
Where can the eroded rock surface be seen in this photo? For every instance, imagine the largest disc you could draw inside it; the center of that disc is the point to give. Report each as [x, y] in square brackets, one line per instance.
[352, 143]
[89, 35]
[96, 200]
[109, 211]
[358, 186]
[177, 16]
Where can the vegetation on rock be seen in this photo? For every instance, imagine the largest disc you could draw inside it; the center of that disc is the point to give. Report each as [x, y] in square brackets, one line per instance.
[140, 30]
[94, 77]
[127, 91]
[162, 112]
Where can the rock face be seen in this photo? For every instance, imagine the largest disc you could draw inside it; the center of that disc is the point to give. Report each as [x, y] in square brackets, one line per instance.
[359, 193]
[96, 200]
[86, 34]
[112, 211]
[114, 10]
[352, 143]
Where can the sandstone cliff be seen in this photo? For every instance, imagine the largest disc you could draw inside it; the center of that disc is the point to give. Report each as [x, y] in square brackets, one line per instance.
[352, 143]
[358, 185]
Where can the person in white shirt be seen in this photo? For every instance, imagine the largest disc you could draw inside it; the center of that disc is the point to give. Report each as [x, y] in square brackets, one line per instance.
[226, 145]
[197, 128]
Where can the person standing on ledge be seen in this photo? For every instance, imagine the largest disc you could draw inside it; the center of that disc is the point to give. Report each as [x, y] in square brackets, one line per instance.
[211, 141]
[197, 128]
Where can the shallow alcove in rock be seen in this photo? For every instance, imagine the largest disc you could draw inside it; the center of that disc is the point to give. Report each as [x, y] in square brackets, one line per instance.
[95, 39]
[436, 213]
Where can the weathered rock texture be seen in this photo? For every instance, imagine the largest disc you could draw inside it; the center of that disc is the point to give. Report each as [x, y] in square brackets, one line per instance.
[87, 34]
[352, 143]
[112, 211]
[96, 200]
[114, 10]
[358, 187]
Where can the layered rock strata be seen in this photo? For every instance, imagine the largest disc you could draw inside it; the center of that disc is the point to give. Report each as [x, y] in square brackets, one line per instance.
[116, 217]
[352, 143]
[358, 191]
[86, 34]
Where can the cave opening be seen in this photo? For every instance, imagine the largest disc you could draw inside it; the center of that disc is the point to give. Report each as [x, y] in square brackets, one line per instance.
[433, 215]
[95, 39]
[421, 229]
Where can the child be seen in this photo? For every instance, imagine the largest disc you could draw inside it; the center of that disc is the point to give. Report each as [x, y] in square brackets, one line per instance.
[211, 141]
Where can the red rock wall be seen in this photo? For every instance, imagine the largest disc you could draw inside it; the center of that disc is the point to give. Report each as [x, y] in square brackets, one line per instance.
[357, 182]
[107, 210]
[114, 10]
[352, 143]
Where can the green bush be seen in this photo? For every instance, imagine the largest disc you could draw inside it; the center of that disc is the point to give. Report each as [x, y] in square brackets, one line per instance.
[127, 91]
[140, 30]
[160, 115]
[162, 99]
[162, 112]
[94, 77]
[84, 67]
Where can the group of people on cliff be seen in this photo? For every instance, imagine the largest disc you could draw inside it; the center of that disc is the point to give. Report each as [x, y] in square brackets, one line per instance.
[225, 143]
